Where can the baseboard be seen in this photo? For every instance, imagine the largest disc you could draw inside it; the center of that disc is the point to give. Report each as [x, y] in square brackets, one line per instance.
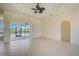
[45, 38]
[36, 37]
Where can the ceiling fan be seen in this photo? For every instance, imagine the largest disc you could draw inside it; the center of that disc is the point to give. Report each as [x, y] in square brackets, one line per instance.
[38, 9]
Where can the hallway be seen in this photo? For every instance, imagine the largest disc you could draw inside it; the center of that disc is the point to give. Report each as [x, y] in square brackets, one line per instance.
[39, 47]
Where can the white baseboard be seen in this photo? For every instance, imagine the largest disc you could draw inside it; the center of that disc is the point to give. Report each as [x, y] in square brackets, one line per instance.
[45, 38]
[36, 37]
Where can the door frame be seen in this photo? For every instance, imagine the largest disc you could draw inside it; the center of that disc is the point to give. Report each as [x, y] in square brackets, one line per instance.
[64, 36]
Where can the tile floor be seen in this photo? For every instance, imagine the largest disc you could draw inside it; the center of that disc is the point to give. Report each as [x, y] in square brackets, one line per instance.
[38, 47]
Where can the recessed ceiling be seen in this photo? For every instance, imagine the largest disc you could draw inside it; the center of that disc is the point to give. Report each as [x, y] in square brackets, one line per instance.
[25, 8]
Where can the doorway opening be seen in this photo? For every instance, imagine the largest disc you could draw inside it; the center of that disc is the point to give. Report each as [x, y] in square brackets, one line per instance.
[65, 31]
[19, 31]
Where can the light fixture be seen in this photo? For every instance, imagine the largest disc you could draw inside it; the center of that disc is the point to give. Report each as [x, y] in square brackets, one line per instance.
[38, 9]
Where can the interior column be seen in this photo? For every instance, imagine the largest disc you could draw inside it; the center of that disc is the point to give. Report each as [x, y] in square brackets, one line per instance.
[6, 29]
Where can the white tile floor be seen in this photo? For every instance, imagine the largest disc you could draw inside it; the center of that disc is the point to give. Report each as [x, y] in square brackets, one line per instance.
[39, 47]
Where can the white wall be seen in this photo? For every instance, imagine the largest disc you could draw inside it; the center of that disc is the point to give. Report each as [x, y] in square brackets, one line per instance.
[21, 18]
[1, 15]
[75, 27]
[52, 25]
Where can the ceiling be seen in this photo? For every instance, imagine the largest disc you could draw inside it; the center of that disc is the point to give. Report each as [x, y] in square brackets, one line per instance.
[25, 8]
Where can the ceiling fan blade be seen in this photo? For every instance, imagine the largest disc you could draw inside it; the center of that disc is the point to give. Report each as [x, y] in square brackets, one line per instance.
[42, 8]
[40, 11]
[33, 9]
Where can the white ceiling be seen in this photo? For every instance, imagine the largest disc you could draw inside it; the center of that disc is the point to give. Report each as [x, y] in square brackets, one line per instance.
[25, 8]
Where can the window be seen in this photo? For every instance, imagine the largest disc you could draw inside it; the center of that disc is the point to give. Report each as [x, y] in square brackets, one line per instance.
[1, 29]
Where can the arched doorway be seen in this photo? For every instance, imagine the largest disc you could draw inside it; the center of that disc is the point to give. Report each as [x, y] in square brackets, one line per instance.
[65, 31]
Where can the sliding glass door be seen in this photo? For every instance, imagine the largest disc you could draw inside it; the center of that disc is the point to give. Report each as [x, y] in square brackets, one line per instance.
[19, 31]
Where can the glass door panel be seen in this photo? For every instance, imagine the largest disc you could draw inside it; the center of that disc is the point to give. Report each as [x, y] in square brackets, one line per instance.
[19, 31]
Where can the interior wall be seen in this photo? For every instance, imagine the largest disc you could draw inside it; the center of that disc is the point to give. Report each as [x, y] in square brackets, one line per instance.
[1, 15]
[75, 27]
[21, 18]
[50, 27]
[52, 24]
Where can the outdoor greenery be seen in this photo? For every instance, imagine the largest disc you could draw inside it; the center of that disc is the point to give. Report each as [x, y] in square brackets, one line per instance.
[23, 31]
